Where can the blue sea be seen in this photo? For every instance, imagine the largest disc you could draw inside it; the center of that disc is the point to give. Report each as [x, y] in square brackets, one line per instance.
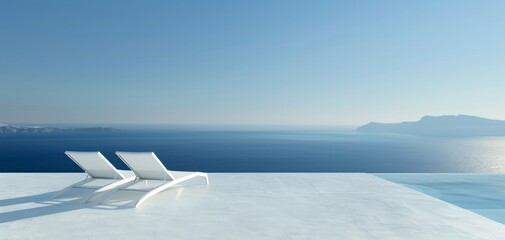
[260, 151]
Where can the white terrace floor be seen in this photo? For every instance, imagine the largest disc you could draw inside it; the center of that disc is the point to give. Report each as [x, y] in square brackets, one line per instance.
[238, 206]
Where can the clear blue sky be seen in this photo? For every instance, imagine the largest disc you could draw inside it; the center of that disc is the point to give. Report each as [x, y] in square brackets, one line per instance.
[250, 62]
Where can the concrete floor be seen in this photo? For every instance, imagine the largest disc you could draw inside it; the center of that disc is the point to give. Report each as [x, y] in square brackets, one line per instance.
[238, 206]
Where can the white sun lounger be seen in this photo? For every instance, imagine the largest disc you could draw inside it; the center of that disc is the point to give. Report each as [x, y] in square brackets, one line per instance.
[97, 167]
[147, 166]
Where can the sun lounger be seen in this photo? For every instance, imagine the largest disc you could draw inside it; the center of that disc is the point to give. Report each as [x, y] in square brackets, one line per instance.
[147, 166]
[97, 167]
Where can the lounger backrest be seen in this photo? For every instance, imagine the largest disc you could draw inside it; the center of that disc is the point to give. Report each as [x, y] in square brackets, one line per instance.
[145, 165]
[95, 165]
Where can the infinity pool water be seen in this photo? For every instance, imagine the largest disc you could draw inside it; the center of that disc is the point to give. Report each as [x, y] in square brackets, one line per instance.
[483, 194]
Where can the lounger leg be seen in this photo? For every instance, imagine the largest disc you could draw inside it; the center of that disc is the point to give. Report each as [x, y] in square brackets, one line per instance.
[206, 178]
[75, 185]
[169, 184]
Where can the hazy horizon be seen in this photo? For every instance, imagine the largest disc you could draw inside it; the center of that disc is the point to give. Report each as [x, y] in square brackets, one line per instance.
[230, 126]
[280, 63]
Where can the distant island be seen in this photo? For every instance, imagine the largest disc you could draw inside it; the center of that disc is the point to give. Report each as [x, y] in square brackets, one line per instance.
[451, 125]
[17, 129]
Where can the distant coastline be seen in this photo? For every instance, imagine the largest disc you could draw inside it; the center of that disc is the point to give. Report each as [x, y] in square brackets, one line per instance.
[20, 129]
[448, 125]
